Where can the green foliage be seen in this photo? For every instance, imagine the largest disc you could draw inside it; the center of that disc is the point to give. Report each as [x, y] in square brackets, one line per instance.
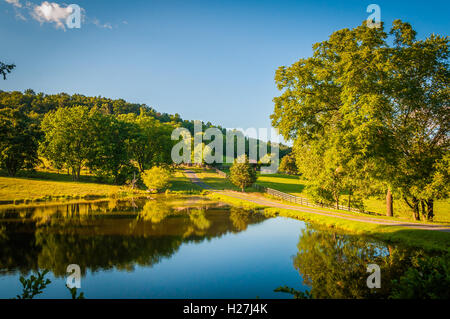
[288, 165]
[427, 278]
[34, 285]
[366, 115]
[242, 174]
[108, 153]
[73, 292]
[157, 178]
[19, 136]
[77, 137]
[5, 69]
[68, 138]
[107, 137]
[334, 266]
[295, 293]
[149, 141]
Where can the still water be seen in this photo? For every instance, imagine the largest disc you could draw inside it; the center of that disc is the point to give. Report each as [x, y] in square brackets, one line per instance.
[185, 247]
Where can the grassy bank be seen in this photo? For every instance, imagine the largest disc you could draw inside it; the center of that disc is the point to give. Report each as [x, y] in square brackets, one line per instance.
[295, 185]
[179, 183]
[24, 190]
[416, 238]
[41, 187]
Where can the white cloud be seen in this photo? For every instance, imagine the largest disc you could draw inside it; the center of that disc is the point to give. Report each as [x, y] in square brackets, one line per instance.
[15, 3]
[51, 13]
[101, 25]
[20, 16]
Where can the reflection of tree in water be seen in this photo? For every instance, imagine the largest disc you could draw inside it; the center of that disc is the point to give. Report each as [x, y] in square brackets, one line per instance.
[197, 217]
[335, 265]
[240, 218]
[154, 212]
[17, 248]
[101, 252]
[96, 238]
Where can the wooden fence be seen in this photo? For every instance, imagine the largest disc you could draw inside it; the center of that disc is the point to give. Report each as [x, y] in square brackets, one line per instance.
[302, 200]
[223, 174]
[218, 171]
[295, 199]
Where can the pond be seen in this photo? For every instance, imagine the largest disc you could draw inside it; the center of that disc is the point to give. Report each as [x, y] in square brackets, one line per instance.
[183, 247]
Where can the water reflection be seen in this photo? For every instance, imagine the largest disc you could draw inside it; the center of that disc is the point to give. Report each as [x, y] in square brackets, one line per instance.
[111, 234]
[136, 235]
[334, 265]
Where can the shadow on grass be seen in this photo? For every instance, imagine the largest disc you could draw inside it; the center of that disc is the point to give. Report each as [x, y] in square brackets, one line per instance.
[56, 177]
[283, 187]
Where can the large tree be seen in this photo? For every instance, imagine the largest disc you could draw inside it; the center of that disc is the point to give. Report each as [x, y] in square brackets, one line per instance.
[68, 140]
[19, 135]
[109, 154]
[360, 110]
[418, 91]
[150, 141]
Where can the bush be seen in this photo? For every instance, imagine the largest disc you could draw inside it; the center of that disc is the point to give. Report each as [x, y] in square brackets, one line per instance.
[288, 165]
[242, 174]
[428, 278]
[156, 178]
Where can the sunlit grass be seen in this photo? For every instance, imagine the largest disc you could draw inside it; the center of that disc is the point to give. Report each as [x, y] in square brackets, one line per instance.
[426, 239]
[26, 189]
[283, 183]
[295, 186]
[180, 183]
[214, 180]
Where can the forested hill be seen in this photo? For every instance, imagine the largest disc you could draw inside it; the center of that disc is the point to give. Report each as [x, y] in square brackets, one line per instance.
[41, 103]
[111, 138]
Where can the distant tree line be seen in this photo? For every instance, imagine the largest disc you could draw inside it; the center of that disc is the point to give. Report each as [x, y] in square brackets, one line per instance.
[111, 138]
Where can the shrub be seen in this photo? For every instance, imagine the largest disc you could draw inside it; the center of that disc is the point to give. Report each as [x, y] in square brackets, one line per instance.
[428, 278]
[156, 178]
[242, 174]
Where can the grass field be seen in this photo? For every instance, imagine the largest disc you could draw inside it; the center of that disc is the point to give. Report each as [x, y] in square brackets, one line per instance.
[44, 186]
[26, 189]
[213, 179]
[294, 185]
[284, 183]
[181, 184]
[425, 239]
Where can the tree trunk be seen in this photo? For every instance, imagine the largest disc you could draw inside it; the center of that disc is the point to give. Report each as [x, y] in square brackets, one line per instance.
[430, 206]
[11, 167]
[389, 204]
[414, 206]
[424, 210]
[416, 213]
[349, 200]
[336, 198]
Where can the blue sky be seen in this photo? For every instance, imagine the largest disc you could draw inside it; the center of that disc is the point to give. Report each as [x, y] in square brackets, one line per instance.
[206, 60]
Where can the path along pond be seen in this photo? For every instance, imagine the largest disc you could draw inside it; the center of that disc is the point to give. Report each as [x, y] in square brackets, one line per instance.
[184, 247]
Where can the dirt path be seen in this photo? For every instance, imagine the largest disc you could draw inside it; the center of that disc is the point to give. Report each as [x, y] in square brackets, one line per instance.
[272, 203]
